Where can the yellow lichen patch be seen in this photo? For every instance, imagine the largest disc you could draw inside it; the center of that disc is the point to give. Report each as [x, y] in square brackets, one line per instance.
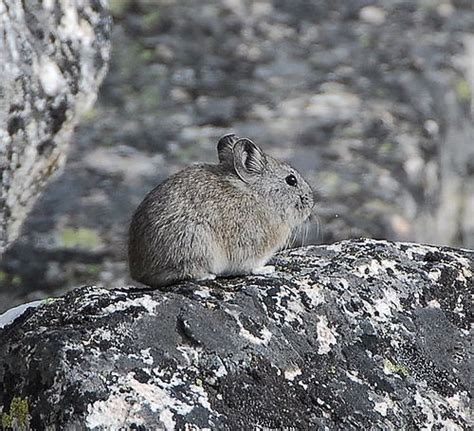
[391, 368]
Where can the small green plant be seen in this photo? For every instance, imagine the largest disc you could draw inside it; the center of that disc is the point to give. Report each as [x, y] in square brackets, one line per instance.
[18, 417]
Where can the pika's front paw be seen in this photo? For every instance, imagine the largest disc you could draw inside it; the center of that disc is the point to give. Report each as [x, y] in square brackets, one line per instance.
[205, 277]
[262, 270]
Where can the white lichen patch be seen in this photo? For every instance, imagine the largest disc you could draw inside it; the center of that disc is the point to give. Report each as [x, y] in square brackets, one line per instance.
[293, 309]
[203, 292]
[381, 408]
[221, 371]
[113, 413]
[202, 396]
[461, 402]
[265, 338]
[336, 247]
[50, 76]
[265, 334]
[434, 274]
[382, 309]
[416, 249]
[144, 301]
[434, 304]
[434, 407]
[313, 291]
[374, 268]
[291, 373]
[354, 376]
[166, 418]
[465, 274]
[100, 334]
[326, 336]
[190, 354]
[146, 356]
[129, 400]
[383, 404]
[388, 303]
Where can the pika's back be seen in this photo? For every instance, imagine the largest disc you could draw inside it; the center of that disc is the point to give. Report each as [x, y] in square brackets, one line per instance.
[198, 191]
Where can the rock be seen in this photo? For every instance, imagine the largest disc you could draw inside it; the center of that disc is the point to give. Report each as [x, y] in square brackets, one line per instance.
[53, 56]
[360, 334]
[379, 124]
[372, 15]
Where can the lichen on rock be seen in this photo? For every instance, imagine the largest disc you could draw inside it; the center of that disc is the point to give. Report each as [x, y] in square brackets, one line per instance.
[360, 334]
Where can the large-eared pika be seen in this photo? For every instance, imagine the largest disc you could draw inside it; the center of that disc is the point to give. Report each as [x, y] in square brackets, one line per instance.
[217, 220]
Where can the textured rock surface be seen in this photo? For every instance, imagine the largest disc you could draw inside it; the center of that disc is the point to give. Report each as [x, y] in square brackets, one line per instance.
[357, 335]
[380, 124]
[53, 56]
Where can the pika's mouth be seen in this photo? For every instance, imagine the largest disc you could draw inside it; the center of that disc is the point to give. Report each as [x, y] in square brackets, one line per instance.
[305, 206]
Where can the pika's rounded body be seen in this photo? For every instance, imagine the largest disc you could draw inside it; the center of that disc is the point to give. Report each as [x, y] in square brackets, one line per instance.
[213, 220]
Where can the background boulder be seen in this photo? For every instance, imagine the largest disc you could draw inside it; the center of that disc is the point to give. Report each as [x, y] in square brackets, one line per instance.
[356, 335]
[53, 56]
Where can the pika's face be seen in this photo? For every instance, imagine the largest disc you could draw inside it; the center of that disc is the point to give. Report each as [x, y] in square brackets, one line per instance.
[286, 191]
[280, 186]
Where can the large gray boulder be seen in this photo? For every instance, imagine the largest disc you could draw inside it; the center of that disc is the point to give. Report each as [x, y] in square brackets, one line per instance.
[53, 56]
[361, 334]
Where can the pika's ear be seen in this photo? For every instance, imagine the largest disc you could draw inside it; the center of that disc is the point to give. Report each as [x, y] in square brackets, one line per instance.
[249, 159]
[225, 147]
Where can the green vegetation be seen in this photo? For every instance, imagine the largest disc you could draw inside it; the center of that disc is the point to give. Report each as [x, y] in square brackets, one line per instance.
[18, 417]
[147, 55]
[463, 92]
[16, 280]
[80, 237]
[90, 114]
[119, 7]
[364, 40]
[386, 147]
[151, 20]
[92, 269]
[50, 300]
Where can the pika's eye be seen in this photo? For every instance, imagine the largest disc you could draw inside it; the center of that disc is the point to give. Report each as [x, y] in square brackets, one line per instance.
[291, 180]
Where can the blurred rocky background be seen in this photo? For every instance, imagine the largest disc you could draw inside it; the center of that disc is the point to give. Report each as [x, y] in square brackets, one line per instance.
[370, 100]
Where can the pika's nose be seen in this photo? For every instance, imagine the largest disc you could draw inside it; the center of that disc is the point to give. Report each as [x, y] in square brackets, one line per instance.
[307, 200]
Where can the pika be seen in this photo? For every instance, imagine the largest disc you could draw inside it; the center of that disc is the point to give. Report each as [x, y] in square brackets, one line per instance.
[222, 219]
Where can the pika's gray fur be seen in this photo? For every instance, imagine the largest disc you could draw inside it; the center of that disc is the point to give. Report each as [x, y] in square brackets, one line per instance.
[212, 220]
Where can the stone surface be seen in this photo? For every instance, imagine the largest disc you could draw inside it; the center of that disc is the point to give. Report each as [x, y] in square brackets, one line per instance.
[360, 334]
[53, 56]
